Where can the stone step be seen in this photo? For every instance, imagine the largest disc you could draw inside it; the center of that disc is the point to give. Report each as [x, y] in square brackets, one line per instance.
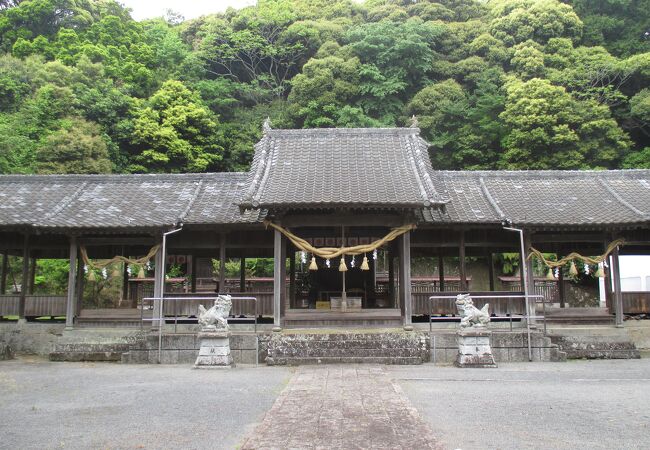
[296, 361]
[397, 347]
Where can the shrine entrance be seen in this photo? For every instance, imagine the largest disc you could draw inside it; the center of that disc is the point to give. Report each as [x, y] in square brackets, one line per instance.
[359, 287]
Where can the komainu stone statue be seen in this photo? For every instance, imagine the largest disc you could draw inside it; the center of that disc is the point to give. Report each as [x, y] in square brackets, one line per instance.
[215, 317]
[474, 348]
[470, 314]
[214, 352]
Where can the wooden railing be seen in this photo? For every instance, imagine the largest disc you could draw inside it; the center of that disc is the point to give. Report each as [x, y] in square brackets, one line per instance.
[447, 306]
[189, 308]
[35, 305]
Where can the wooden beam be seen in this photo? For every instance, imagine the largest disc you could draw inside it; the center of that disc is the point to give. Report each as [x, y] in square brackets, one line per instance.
[25, 276]
[461, 262]
[337, 220]
[3, 272]
[72, 285]
[618, 295]
[277, 279]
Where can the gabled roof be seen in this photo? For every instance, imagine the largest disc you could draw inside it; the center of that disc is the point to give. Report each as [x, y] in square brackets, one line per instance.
[549, 197]
[121, 201]
[341, 168]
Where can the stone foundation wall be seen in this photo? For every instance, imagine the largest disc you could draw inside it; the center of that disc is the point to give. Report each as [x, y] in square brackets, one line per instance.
[507, 346]
[184, 348]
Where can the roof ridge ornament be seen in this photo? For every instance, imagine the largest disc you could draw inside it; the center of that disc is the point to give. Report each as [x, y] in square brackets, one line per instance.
[414, 122]
[266, 126]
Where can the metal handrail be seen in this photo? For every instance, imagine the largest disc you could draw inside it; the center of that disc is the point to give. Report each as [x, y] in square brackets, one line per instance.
[525, 297]
[160, 319]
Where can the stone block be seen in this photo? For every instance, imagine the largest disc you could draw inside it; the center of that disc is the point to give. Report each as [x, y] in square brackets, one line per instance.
[187, 356]
[507, 339]
[500, 355]
[518, 354]
[169, 357]
[247, 357]
[214, 351]
[445, 340]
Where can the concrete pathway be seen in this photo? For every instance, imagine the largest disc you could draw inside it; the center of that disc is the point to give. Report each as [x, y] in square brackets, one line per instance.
[335, 407]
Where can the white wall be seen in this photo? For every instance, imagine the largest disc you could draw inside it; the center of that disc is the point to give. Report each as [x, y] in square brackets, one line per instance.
[635, 275]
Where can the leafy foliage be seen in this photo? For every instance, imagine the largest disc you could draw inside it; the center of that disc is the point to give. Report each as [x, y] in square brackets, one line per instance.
[518, 84]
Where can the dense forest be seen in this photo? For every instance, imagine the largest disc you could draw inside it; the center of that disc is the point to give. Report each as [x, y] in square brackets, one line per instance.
[497, 84]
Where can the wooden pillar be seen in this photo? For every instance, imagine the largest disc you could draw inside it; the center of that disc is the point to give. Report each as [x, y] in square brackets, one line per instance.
[608, 284]
[192, 261]
[461, 262]
[490, 263]
[530, 276]
[391, 277]
[405, 279]
[72, 285]
[24, 280]
[560, 285]
[618, 295]
[292, 279]
[441, 271]
[222, 263]
[242, 274]
[32, 275]
[3, 273]
[277, 279]
[80, 286]
[125, 285]
[158, 286]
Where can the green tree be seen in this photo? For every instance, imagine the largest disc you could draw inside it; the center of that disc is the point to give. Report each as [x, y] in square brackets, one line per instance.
[174, 132]
[548, 129]
[76, 147]
[515, 21]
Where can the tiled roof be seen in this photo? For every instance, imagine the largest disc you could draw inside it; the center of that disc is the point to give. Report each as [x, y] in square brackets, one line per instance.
[329, 168]
[543, 197]
[341, 167]
[121, 201]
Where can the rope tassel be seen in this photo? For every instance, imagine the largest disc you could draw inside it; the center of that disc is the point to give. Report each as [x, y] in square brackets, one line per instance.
[364, 263]
[312, 264]
[342, 266]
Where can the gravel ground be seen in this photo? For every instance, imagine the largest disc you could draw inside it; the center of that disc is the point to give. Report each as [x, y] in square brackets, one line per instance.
[46, 405]
[572, 405]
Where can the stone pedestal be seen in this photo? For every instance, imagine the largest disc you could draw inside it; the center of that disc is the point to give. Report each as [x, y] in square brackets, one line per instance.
[215, 350]
[474, 348]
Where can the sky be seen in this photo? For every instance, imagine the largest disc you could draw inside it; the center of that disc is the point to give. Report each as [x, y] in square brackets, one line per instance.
[190, 9]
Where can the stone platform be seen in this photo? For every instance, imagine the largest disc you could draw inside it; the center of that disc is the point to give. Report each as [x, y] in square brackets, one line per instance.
[474, 348]
[214, 350]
